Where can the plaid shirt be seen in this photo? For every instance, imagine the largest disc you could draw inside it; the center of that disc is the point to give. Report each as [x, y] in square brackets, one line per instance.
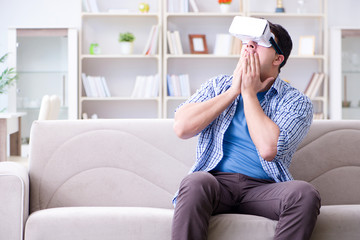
[291, 110]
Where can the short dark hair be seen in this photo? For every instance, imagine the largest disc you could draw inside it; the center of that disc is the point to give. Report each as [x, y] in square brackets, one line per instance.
[283, 39]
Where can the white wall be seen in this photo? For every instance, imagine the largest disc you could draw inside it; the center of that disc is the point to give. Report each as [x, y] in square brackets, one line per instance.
[343, 13]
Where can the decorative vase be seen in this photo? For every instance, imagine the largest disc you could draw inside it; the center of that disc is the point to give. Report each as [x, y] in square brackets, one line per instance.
[94, 49]
[224, 8]
[126, 48]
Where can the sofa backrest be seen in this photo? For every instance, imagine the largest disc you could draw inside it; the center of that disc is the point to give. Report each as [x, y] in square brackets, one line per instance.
[329, 158]
[126, 162]
[106, 163]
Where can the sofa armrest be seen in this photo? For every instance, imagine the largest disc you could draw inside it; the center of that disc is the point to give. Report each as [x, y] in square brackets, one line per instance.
[14, 200]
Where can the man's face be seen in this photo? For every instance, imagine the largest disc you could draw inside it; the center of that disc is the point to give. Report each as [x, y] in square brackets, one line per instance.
[266, 55]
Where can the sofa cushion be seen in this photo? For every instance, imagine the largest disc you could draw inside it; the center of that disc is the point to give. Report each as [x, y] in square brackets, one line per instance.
[108, 223]
[94, 223]
[241, 226]
[334, 223]
[338, 222]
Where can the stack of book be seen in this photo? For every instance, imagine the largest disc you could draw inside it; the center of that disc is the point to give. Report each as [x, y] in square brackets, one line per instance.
[152, 42]
[313, 87]
[95, 86]
[178, 85]
[174, 42]
[146, 87]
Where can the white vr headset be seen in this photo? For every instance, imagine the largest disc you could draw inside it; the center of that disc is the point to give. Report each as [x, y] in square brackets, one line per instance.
[253, 29]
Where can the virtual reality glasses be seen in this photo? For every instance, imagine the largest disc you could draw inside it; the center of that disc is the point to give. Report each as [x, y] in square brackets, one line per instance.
[254, 29]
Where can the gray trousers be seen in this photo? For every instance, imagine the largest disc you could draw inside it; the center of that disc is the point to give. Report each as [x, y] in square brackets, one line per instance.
[295, 204]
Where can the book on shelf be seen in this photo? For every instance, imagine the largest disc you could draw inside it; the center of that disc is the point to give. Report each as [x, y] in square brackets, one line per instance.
[318, 85]
[178, 6]
[95, 86]
[178, 85]
[86, 85]
[310, 84]
[170, 42]
[151, 46]
[106, 87]
[91, 6]
[178, 42]
[223, 44]
[174, 42]
[146, 87]
[236, 46]
[314, 84]
[194, 6]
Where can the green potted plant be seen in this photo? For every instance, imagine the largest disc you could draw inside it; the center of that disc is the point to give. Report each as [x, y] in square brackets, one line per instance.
[7, 77]
[126, 42]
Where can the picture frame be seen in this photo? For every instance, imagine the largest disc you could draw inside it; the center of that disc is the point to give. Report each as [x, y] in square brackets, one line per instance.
[307, 45]
[198, 44]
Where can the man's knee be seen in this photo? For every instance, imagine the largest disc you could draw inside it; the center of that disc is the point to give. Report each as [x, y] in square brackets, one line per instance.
[306, 194]
[198, 185]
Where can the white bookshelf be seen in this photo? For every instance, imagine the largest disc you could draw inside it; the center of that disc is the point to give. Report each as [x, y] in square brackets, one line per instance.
[210, 21]
[120, 71]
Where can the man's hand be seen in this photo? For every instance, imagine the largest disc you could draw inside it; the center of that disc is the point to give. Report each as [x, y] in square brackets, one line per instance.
[251, 82]
[263, 131]
[237, 74]
[192, 118]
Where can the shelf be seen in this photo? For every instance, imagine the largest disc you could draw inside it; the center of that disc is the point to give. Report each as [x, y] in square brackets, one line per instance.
[118, 99]
[118, 56]
[42, 72]
[108, 14]
[120, 71]
[176, 98]
[287, 15]
[351, 108]
[204, 14]
[25, 109]
[196, 56]
[351, 72]
[320, 57]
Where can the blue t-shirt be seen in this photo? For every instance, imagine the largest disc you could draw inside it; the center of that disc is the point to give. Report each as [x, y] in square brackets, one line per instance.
[240, 154]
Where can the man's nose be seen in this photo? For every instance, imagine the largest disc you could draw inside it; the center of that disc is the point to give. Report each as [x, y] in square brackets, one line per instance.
[251, 45]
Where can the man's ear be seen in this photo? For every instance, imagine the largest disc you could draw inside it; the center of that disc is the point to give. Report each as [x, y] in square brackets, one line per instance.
[278, 59]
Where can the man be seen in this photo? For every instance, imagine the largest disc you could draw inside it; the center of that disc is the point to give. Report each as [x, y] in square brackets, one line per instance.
[250, 125]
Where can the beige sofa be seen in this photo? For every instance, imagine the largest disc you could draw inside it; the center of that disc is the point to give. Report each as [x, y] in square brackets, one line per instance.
[114, 179]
